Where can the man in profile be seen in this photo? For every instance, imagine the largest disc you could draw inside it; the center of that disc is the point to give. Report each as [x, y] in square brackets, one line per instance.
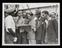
[10, 29]
[9, 24]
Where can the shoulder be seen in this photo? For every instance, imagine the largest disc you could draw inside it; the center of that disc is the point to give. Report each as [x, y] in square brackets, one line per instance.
[9, 17]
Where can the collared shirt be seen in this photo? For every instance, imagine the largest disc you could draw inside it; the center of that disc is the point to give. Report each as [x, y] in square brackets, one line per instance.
[9, 23]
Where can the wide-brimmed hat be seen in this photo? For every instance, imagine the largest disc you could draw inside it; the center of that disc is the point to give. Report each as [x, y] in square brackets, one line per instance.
[10, 9]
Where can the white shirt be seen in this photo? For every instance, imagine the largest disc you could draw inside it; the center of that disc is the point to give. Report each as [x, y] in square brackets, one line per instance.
[47, 21]
[9, 23]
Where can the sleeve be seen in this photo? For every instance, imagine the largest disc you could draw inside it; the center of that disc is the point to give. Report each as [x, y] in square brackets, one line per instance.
[8, 22]
[33, 24]
[11, 31]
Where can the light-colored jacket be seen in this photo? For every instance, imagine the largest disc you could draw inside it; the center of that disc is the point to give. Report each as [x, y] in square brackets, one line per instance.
[9, 23]
[31, 34]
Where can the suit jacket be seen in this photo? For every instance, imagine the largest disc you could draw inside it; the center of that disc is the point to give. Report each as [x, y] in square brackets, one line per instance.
[40, 30]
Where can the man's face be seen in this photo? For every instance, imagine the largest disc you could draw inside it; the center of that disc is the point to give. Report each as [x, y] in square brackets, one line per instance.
[44, 15]
[24, 13]
[29, 16]
[20, 13]
[53, 16]
[37, 15]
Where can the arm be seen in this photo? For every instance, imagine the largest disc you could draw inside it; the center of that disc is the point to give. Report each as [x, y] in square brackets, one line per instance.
[11, 32]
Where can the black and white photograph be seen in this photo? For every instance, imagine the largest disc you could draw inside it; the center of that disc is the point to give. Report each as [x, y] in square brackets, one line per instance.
[30, 24]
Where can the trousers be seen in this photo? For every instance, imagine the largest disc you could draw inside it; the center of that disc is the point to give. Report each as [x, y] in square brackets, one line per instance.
[8, 38]
[22, 37]
[32, 41]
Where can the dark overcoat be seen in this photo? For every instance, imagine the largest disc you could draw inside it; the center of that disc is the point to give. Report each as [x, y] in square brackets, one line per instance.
[52, 31]
[41, 31]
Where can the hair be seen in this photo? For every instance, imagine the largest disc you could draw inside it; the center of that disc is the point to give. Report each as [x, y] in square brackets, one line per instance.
[5, 14]
[17, 12]
[31, 14]
[38, 12]
[45, 12]
[10, 13]
[54, 13]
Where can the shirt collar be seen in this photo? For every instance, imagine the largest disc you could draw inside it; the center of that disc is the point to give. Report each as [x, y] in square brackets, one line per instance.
[49, 18]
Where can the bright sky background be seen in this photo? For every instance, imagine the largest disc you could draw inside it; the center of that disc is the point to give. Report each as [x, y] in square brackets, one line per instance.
[32, 5]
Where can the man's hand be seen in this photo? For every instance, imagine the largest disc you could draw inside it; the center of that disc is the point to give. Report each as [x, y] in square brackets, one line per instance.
[15, 39]
[34, 30]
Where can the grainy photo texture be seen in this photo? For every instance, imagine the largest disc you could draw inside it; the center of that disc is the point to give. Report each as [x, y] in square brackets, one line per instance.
[31, 24]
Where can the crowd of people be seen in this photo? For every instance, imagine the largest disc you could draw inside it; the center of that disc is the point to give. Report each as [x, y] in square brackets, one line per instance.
[24, 27]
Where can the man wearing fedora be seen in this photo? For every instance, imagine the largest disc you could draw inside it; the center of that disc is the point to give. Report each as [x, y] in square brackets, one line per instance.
[9, 26]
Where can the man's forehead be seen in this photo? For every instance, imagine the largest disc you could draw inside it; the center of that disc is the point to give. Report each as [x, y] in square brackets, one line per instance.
[43, 14]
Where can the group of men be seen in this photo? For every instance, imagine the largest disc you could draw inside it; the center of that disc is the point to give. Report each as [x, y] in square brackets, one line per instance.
[28, 28]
